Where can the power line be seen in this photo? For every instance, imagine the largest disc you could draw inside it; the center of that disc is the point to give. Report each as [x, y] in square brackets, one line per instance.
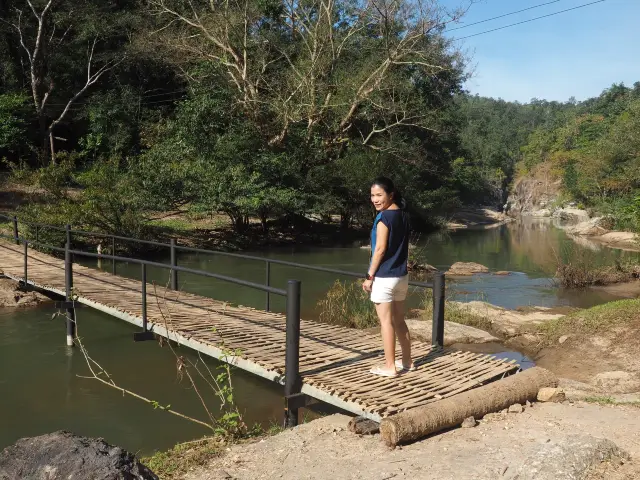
[501, 16]
[532, 19]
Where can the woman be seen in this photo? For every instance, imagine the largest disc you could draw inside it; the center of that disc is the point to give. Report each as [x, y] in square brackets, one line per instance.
[388, 278]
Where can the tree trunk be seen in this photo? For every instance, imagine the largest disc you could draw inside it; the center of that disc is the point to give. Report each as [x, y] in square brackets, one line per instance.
[53, 149]
[345, 220]
[263, 221]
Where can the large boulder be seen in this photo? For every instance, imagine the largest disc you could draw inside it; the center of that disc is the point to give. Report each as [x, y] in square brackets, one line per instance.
[571, 215]
[63, 455]
[593, 227]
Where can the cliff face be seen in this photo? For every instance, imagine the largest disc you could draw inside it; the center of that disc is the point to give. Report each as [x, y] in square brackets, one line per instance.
[533, 195]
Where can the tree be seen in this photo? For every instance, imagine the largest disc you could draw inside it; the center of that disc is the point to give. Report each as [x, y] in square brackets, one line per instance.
[49, 35]
[332, 72]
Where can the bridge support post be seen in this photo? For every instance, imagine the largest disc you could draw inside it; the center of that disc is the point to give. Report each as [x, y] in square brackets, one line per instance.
[113, 253]
[145, 334]
[15, 230]
[68, 284]
[67, 230]
[26, 256]
[174, 263]
[268, 279]
[437, 332]
[292, 380]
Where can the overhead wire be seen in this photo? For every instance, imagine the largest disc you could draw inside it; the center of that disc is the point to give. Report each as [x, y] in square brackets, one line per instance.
[502, 16]
[532, 19]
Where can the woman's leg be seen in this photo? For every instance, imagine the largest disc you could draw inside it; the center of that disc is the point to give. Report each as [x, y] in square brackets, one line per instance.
[402, 332]
[385, 315]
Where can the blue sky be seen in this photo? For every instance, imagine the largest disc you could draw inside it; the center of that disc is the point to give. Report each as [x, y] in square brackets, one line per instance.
[577, 53]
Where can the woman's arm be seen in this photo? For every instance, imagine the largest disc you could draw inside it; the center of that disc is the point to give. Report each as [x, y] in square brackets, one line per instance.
[382, 236]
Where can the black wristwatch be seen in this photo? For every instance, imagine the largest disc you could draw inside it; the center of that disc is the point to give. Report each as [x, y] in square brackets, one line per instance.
[368, 277]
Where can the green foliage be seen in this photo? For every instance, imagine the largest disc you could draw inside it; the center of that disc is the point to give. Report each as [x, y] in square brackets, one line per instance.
[13, 122]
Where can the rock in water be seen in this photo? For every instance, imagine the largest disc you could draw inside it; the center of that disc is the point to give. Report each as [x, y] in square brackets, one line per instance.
[466, 268]
[63, 455]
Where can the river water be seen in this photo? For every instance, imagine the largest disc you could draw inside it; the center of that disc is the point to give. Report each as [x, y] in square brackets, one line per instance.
[40, 378]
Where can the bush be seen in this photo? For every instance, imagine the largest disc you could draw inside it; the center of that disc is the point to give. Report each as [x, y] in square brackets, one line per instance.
[579, 269]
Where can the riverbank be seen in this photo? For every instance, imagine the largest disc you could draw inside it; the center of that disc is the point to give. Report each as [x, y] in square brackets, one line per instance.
[592, 350]
[557, 438]
[476, 218]
[12, 296]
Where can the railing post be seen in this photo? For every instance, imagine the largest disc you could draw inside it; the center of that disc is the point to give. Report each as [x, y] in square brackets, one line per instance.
[145, 334]
[37, 236]
[68, 284]
[26, 256]
[268, 282]
[437, 333]
[292, 380]
[113, 252]
[68, 232]
[174, 263]
[15, 230]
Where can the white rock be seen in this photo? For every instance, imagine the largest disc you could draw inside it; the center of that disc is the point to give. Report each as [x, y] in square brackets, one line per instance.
[548, 394]
[516, 408]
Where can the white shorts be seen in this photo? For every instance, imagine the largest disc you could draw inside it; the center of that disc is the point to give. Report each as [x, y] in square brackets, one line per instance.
[392, 289]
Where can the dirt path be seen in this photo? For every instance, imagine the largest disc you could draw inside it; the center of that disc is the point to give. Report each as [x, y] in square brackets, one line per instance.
[498, 448]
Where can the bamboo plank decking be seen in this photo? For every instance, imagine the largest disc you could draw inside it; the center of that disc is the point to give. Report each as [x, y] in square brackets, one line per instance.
[334, 361]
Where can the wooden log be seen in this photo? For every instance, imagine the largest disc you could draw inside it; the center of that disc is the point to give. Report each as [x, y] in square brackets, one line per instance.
[422, 421]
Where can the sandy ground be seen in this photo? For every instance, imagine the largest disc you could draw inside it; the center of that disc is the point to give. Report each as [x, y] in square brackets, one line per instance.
[498, 448]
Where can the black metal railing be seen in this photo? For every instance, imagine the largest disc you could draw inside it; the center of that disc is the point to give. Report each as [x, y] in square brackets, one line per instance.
[292, 293]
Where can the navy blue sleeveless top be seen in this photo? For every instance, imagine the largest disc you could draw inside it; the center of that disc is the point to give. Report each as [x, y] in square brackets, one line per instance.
[394, 262]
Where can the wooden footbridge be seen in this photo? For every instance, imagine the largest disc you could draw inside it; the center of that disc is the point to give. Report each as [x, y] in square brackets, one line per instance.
[312, 360]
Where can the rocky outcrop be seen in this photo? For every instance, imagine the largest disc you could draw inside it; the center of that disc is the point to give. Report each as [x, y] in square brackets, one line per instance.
[533, 195]
[570, 215]
[592, 227]
[617, 382]
[12, 296]
[63, 455]
[599, 229]
[464, 269]
[571, 458]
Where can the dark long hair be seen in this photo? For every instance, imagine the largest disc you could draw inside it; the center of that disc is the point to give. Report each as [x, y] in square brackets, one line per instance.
[387, 185]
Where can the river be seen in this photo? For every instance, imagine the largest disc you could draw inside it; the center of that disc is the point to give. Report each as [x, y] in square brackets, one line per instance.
[40, 378]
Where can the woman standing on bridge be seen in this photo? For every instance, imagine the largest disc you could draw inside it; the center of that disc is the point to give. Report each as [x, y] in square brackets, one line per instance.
[388, 278]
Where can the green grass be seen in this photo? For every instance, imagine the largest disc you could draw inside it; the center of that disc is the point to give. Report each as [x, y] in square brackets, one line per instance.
[601, 318]
[177, 461]
[347, 305]
[455, 312]
[602, 400]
